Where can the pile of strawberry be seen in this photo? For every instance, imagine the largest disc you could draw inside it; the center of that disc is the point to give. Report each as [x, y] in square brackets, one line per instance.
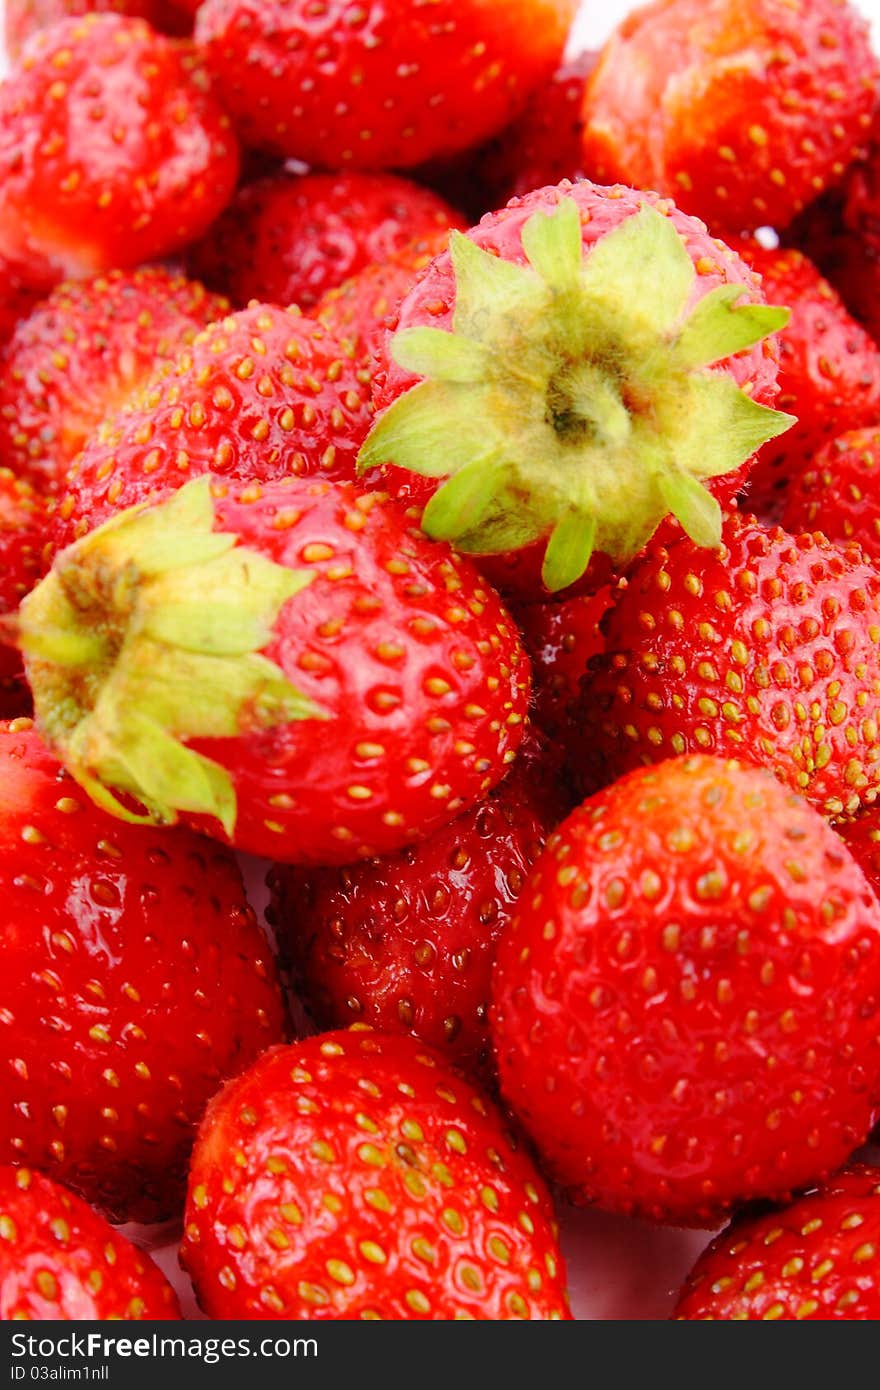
[504, 576]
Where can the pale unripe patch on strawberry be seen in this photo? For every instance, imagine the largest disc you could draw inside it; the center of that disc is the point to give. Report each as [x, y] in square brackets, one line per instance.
[574, 400]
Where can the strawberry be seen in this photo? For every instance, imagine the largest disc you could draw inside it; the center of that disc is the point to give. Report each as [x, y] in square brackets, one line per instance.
[406, 944]
[355, 1175]
[113, 150]
[259, 395]
[135, 979]
[175, 658]
[814, 1260]
[862, 838]
[685, 1004]
[289, 238]
[829, 369]
[16, 299]
[22, 530]
[586, 365]
[59, 1260]
[742, 113]
[836, 492]
[561, 640]
[383, 85]
[766, 647]
[24, 17]
[82, 352]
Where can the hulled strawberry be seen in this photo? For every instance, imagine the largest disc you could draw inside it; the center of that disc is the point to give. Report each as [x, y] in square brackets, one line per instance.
[767, 647]
[742, 113]
[113, 149]
[355, 1175]
[561, 640]
[814, 1260]
[406, 943]
[829, 370]
[135, 980]
[263, 394]
[289, 238]
[381, 86]
[685, 1004]
[24, 17]
[292, 664]
[22, 563]
[591, 362]
[836, 491]
[81, 353]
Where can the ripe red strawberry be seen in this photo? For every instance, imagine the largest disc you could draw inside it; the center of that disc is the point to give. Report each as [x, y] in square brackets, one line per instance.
[24, 17]
[288, 238]
[22, 538]
[561, 639]
[59, 1260]
[742, 113]
[862, 838]
[82, 353]
[829, 369]
[559, 425]
[260, 395]
[16, 299]
[813, 1260]
[381, 86]
[767, 647]
[354, 1175]
[135, 979]
[113, 149]
[836, 492]
[406, 943]
[292, 663]
[685, 1004]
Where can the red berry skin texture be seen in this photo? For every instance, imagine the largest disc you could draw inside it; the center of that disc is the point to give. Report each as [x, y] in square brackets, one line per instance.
[815, 1260]
[113, 149]
[742, 113]
[407, 943]
[16, 299]
[288, 238]
[261, 395]
[135, 981]
[836, 491]
[388, 86]
[60, 1261]
[25, 17]
[561, 640]
[861, 835]
[82, 352]
[766, 648]
[355, 1175]
[23, 522]
[685, 1005]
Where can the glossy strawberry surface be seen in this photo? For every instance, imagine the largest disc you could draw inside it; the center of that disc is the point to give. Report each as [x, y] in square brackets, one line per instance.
[835, 491]
[23, 522]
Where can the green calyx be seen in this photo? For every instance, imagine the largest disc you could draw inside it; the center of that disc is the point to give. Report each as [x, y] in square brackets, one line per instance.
[574, 400]
[147, 633]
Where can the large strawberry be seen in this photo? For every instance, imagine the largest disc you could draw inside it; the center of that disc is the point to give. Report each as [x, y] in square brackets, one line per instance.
[685, 1006]
[24, 17]
[356, 1176]
[291, 663]
[113, 149]
[741, 112]
[60, 1261]
[386, 84]
[594, 362]
[406, 943]
[135, 979]
[22, 563]
[814, 1260]
[263, 394]
[82, 353]
[836, 491]
[288, 238]
[767, 647]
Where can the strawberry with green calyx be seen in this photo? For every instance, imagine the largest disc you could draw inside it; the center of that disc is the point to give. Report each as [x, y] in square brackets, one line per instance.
[291, 664]
[573, 401]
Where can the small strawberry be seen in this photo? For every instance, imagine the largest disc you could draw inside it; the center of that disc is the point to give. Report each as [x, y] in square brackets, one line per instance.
[135, 979]
[591, 362]
[59, 1260]
[836, 492]
[814, 1260]
[113, 150]
[288, 238]
[561, 640]
[767, 647]
[291, 663]
[22, 538]
[742, 113]
[685, 1006]
[406, 944]
[24, 17]
[829, 369]
[260, 395]
[383, 85]
[355, 1175]
[82, 353]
